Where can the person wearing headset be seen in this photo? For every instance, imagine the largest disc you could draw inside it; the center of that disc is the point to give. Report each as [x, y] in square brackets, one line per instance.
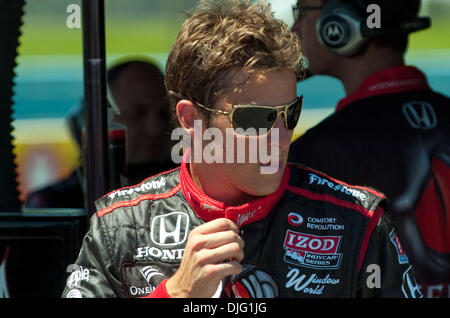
[391, 131]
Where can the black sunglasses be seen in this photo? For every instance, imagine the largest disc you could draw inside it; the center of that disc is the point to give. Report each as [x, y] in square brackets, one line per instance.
[297, 10]
[256, 116]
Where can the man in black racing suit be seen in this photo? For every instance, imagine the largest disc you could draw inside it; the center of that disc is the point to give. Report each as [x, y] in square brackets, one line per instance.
[209, 228]
[313, 237]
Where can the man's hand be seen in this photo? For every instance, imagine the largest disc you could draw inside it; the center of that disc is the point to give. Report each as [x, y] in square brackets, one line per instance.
[213, 251]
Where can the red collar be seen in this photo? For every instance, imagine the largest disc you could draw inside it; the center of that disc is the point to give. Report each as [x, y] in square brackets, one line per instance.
[209, 209]
[392, 80]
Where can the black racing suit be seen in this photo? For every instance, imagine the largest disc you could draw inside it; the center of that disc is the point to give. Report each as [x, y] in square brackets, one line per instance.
[313, 237]
[393, 134]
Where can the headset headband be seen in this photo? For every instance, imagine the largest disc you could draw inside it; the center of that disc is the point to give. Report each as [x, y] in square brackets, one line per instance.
[417, 24]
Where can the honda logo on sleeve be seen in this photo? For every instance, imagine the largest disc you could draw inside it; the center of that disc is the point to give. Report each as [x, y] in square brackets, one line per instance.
[170, 229]
[420, 115]
[410, 288]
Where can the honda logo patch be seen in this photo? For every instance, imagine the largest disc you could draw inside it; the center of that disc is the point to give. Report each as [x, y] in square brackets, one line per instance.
[420, 115]
[410, 288]
[170, 229]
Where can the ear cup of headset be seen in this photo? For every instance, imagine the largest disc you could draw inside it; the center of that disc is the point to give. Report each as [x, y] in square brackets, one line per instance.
[339, 30]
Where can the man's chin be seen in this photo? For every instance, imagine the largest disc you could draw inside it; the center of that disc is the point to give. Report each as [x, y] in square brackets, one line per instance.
[272, 168]
[268, 189]
[266, 184]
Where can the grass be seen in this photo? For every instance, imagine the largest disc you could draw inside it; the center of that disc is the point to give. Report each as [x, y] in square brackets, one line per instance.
[434, 38]
[50, 38]
[47, 36]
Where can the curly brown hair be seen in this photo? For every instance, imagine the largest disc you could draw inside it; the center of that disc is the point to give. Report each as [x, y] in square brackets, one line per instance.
[222, 37]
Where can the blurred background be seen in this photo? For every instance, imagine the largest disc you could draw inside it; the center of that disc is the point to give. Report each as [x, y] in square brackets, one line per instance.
[49, 72]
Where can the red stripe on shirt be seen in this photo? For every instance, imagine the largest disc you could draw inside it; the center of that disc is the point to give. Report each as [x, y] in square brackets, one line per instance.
[329, 198]
[378, 194]
[137, 185]
[138, 200]
[372, 224]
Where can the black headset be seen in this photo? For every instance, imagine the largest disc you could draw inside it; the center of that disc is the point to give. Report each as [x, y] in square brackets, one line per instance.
[342, 27]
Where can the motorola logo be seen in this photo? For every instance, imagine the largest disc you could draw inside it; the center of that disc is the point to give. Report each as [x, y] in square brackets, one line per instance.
[333, 32]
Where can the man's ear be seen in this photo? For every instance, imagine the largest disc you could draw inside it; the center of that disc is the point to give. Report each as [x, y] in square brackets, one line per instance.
[187, 113]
